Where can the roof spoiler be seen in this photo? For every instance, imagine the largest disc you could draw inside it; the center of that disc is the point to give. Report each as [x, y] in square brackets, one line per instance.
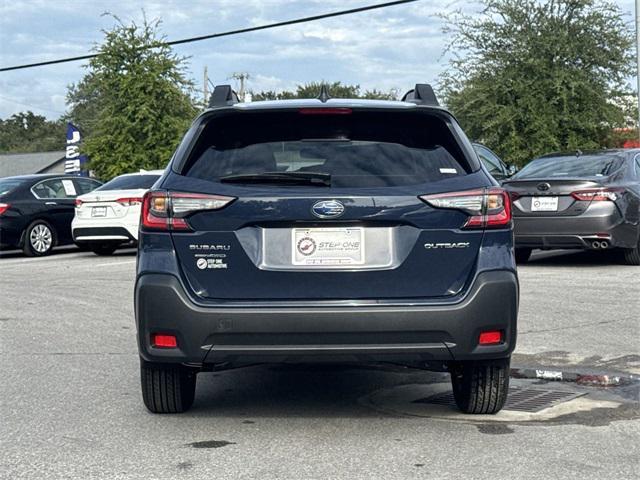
[223, 96]
[422, 94]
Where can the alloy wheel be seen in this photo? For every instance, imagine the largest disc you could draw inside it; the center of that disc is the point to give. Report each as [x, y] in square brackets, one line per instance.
[41, 238]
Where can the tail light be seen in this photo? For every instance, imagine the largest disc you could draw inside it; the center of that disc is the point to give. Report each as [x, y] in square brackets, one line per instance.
[128, 201]
[598, 194]
[487, 208]
[4, 207]
[78, 203]
[163, 210]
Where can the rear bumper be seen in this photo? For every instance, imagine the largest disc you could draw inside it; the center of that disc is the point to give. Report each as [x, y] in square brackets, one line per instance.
[103, 233]
[408, 333]
[602, 224]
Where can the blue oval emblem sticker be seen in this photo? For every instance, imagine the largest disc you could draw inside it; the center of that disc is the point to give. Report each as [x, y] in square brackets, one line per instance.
[327, 209]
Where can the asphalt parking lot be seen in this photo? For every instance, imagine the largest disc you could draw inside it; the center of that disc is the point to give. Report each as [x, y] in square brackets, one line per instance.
[71, 406]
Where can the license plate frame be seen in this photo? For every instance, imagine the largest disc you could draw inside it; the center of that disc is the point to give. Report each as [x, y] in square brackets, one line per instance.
[544, 204]
[98, 212]
[329, 247]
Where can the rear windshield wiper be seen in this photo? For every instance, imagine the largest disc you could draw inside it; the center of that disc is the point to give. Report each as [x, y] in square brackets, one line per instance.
[293, 178]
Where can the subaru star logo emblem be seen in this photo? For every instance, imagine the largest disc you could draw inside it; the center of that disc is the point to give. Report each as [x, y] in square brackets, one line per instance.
[543, 187]
[327, 209]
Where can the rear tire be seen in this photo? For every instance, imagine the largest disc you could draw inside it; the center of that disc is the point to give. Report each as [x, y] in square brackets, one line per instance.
[103, 249]
[523, 255]
[481, 387]
[167, 388]
[39, 239]
[632, 255]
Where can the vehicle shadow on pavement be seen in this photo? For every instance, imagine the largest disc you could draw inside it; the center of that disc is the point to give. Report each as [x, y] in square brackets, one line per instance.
[322, 390]
[65, 250]
[56, 251]
[571, 258]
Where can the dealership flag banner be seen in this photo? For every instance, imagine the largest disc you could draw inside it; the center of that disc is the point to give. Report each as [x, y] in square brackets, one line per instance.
[73, 160]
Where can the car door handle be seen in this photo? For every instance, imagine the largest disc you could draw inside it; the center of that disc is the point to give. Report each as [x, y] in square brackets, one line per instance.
[50, 203]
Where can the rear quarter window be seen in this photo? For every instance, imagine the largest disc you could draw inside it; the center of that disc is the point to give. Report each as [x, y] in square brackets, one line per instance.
[361, 149]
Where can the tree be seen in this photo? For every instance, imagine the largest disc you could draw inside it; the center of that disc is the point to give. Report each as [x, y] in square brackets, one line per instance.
[532, 77]
[134, 104]
[336, 90]
[27, 132]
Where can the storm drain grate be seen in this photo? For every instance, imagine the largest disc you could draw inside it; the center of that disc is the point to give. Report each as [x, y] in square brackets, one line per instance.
[519, 399]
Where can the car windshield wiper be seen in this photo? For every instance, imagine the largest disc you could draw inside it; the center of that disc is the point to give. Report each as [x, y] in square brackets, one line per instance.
[294, 178]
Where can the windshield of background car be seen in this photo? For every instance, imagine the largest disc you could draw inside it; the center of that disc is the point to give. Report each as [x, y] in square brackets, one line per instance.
[130, 182]
[9, 184]
[357, 149]
[578, 166]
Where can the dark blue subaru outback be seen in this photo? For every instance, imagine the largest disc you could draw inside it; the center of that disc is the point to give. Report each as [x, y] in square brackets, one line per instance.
[326, 230]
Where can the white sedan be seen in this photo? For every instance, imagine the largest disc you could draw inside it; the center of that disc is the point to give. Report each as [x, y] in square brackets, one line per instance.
[109, 216]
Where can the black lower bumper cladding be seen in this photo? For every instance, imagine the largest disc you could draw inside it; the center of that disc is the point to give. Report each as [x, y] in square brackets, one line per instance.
[261, 333]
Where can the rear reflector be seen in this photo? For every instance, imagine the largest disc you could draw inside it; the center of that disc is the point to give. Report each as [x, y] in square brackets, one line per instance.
[487, 208]
[163, 210]
[4, 207]
[598, 194]
[324, 111]
[161, 340]
[491, 337]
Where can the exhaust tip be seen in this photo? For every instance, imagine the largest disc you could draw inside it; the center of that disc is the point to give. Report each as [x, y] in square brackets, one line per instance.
[604, 244]
[595, 244]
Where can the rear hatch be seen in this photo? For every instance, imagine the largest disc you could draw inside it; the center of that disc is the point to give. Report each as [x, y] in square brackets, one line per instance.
[325, 205]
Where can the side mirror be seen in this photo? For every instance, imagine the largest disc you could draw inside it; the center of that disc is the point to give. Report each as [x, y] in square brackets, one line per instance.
[512, 170]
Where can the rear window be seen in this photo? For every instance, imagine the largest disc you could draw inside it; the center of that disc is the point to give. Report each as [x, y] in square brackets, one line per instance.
[579, 166]
[8, 185]
[361, 149]
[130, 182]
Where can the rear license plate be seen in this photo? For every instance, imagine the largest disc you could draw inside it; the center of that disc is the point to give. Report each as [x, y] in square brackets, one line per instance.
[322, 247]
[99, 212]
[544, 204]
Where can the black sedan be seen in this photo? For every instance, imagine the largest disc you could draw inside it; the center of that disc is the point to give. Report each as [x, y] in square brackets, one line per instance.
[580, 200]
[36, 210]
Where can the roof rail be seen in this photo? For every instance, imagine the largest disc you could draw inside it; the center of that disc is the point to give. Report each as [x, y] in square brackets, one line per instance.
[222, 96]
[422, 94]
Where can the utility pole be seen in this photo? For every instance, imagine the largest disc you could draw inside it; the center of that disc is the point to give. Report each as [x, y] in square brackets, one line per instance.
[638, 60]
[205, 88]
[242, 77]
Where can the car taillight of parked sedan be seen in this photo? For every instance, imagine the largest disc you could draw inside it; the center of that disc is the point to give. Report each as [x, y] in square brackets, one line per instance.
[598, 194]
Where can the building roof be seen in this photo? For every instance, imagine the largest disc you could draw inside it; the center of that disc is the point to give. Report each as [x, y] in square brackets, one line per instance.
[26, 163]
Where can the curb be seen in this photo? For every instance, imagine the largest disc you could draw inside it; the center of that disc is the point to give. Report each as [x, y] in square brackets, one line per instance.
[598, 380]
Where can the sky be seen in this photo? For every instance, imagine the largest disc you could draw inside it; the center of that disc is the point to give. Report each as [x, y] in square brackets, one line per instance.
[390, 48]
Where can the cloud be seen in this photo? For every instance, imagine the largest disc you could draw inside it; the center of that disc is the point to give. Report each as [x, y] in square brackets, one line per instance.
[394, 47]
